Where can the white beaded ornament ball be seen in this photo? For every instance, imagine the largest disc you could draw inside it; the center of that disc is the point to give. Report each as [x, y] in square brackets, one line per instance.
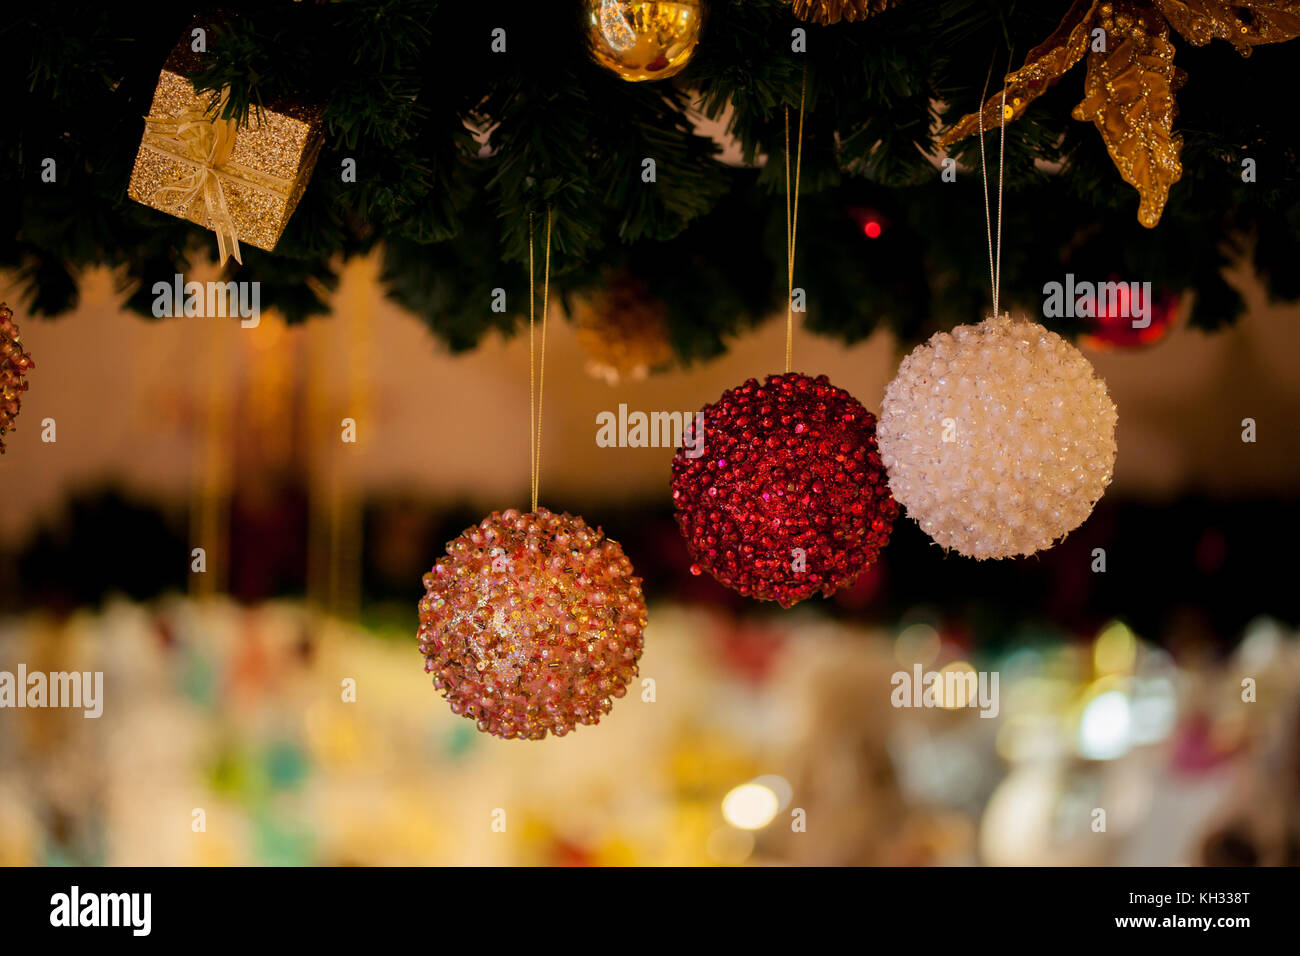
[998, 439]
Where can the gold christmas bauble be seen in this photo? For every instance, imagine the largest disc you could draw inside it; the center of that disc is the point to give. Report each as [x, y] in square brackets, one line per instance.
[624, 330]
[643, 39]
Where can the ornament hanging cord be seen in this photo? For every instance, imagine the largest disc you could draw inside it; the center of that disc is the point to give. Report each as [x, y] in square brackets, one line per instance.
[536, 369]
[792, 219]
[995, 266]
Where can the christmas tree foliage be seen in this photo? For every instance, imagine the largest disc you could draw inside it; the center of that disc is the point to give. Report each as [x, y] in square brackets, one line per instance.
[455, 144]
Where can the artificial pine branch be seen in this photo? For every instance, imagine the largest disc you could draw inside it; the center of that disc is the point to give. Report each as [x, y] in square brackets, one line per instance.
[407, 83]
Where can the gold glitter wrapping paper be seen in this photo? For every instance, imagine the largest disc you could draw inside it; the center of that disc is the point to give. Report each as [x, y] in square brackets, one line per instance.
[278, 150]
[1130, 86]
[824, 12]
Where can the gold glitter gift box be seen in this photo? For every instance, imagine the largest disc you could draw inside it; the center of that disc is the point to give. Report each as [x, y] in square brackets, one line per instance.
[241, 182]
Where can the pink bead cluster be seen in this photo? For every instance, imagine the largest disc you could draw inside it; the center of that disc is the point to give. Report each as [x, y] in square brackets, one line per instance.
[790, 497]
[14, 366]
[532, 624]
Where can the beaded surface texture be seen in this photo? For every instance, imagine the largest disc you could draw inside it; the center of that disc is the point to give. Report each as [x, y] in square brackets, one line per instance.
[14, 366]
[999, 438]
[789, 497]
[532, 624]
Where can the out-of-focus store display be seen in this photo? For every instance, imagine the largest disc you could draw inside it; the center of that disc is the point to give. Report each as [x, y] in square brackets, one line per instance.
[273, 735]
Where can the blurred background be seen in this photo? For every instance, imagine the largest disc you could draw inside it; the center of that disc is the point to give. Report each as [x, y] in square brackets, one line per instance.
[770, 738]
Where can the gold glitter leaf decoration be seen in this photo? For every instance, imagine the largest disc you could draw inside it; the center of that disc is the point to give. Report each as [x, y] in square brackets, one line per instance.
[1130, 85]
[1044, 65]
[824, 12]
[1129, 98]
[1244, 24]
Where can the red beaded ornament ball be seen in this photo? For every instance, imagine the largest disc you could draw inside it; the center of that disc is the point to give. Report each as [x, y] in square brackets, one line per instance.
[786, 496]
[532, 623]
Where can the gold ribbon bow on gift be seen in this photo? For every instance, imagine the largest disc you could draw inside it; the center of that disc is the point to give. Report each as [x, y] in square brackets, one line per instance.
[204, 144]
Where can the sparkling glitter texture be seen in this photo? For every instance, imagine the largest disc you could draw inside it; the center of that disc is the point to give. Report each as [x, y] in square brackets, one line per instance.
[1130, 99]
[268, 168]
[1130, 84]
[789, 496]
[824, 12]
[998, 438]
[14, 366]
[532, 624]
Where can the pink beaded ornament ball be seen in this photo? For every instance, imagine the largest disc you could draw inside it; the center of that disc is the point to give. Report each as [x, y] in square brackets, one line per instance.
[786, 496]
[532, 624]
[14, 366]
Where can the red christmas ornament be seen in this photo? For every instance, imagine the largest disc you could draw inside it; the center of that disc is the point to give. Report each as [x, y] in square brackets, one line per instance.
[532, 624]
[1115, 328]
[14, 366]
[786, 496]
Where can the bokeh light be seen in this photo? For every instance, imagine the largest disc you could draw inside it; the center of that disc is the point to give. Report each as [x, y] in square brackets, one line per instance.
[750, 806]
[1115, 649]
[961, 679]
[917, 644]
[1104, 727]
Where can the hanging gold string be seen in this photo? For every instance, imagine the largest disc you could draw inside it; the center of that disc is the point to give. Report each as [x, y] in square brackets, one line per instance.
[995, 266]
[536, 369]
[532, 375]
[792, 220]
